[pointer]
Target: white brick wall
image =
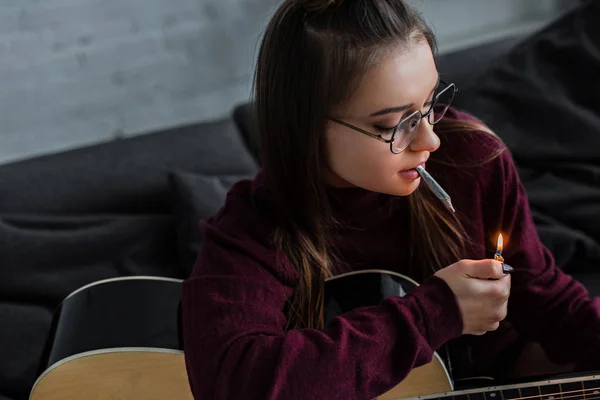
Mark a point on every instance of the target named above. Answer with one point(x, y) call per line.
point(76, 72)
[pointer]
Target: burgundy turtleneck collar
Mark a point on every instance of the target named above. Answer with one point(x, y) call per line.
point(351, 206)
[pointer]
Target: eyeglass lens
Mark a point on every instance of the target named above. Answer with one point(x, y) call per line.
point(441, 106)
point(408, 129)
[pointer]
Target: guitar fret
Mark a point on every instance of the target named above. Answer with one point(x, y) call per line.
point(592, 389)
point(509, 394)
point(551, 392)
point(532, 392)
point(493, 395)
point(572, 391)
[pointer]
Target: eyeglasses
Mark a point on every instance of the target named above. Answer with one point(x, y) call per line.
point(400, 136)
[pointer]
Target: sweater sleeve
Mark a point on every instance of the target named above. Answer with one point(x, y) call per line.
point(236, 347)
point(546, 304)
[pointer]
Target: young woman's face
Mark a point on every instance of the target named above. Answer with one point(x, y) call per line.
point(404, 81)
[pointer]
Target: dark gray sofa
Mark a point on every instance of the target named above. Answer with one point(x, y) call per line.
point(131, 207)
point(98, 212)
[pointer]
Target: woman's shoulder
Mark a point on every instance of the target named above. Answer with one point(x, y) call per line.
point(466, 140)
point(471, 158)
point(245, 211)
point(238, 238)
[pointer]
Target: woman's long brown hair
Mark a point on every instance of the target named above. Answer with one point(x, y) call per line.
point(313, 55)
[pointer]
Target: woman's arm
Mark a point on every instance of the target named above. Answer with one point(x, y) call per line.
point(236, 347)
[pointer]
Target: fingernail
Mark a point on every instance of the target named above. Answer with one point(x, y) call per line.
point(507, 269)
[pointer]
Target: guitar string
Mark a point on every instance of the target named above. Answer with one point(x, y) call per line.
point(571, 393)
point(559, 395)
point(559, 398)
point(565, 397)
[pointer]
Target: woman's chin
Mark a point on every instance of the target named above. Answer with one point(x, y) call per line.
point(397, 186)
point(403, 187)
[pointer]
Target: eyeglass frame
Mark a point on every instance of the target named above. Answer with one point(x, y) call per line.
point(451, 86)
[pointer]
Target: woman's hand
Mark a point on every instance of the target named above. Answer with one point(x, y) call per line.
point(482, 290)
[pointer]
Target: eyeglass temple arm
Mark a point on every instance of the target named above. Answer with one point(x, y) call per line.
point(361, 130)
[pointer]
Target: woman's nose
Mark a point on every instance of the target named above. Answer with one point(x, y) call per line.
point(425, 139)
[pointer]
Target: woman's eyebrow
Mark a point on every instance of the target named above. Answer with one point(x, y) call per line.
point(401, 108)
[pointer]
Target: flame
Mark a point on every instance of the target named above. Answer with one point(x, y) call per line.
point(500, 244)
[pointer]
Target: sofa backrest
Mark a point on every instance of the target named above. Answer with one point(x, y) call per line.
point(124, 176)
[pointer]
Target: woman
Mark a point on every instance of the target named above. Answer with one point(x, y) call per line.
point(347, 96)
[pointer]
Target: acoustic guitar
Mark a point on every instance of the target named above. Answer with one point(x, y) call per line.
point(121, 339)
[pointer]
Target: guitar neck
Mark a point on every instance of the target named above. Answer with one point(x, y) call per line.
point(576, 388)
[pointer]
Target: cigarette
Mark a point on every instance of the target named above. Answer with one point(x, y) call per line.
point(435, 188)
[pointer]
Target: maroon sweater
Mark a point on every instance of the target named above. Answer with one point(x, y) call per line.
point(233, 319)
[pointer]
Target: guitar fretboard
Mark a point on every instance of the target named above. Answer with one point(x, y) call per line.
point(580, 388)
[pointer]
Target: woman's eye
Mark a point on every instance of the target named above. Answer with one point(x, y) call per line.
point(385, 133)
point(384, 129)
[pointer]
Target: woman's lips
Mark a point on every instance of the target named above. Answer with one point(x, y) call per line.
point(410, 174)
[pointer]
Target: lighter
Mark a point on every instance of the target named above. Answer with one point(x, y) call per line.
point(507, 269)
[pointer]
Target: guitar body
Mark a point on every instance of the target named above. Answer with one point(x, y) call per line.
point(346, 292)
point(116, 339)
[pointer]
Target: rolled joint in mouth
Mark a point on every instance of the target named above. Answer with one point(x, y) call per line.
point(435, 187)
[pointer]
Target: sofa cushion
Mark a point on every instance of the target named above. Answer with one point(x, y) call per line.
point(24, 332)
point(196, 197)
point(591, 281)
point(122, 176)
